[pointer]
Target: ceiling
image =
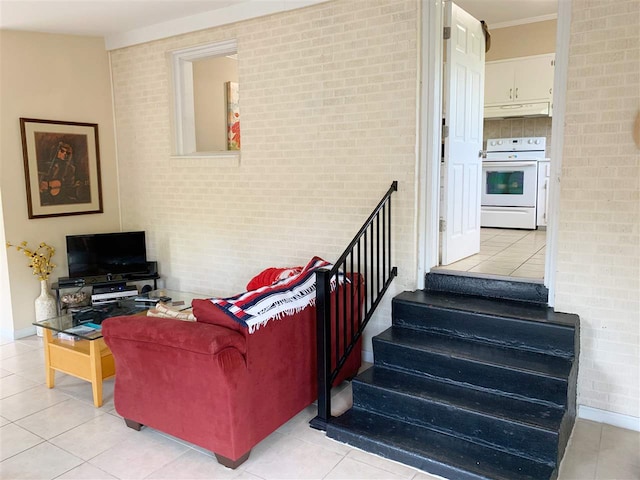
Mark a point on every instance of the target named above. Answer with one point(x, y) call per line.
point(109, 18)
point(502, 13)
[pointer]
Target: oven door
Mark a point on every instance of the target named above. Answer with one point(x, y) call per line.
point(509, 184)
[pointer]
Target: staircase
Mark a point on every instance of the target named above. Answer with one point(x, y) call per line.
point(468, 387)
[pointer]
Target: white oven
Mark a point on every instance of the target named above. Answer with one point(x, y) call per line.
point(510, 182)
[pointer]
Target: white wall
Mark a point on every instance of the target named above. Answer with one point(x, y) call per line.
point(52, 77)
point(598, 267)
point(328, 102)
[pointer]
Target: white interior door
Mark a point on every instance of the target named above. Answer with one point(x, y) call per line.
point(464, 102)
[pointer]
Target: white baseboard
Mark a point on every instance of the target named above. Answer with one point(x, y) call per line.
point(17, 334)
point(367, 356)
point(610, 418)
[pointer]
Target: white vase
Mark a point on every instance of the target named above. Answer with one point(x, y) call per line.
point(45, 305)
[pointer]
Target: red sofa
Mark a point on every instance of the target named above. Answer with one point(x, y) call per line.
point(212, 383)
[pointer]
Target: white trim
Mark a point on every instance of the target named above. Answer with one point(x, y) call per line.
point(213, 18)
point(523, 21)
point(184, 131)
point(610, 418)
point(367, 356)
point(115, 138)
point(431, 114)
point(227, 159)
point(419, 176)
point(557, 144)
point(17, 334)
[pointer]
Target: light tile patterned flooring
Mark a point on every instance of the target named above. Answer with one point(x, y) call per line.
point(506, 252)
point(58, 434)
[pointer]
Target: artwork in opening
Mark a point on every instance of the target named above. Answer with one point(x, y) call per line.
point(61, 167)
point(233, 117)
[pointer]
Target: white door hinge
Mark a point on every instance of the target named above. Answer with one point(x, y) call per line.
point(443, 225)
point(446, 34)
point(445, 131)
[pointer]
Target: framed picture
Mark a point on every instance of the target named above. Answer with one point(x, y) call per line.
point(233, 116)
point(61, 167)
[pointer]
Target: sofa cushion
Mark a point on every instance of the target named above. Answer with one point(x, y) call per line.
point(271, 275)
point(207, 312)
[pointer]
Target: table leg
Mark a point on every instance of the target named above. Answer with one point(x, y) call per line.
point(96, 372)
point(49, 372)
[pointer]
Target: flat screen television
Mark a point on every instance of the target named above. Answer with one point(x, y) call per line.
point(98, 254)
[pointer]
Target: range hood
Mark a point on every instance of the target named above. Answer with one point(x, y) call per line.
point(540, 109)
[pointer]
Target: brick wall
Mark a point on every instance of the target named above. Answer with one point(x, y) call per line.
point(328, 109)
point(599, 240)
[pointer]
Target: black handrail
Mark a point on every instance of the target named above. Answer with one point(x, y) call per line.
point(366, 269)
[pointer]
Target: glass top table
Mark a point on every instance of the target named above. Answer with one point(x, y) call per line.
point(85, 323)
point(84, 353)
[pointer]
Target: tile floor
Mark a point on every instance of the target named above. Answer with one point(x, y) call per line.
point(57, 433)
point(505, 252)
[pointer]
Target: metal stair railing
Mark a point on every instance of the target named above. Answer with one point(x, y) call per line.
point(368, 257)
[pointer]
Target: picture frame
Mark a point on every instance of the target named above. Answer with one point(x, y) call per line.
point(233, 115)
point(61, 167)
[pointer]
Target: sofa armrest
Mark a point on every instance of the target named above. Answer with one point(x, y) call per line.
point(190, 336)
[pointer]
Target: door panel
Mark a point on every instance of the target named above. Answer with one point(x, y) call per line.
point(464, 102)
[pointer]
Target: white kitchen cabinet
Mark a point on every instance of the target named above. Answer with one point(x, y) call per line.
point(519, 80)
point(542, 204)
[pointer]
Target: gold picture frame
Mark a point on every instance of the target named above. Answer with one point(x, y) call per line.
point(61, 167)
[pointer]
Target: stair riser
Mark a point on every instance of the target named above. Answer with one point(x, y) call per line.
point(524, 440)
point(535, 336)
point(460, 370)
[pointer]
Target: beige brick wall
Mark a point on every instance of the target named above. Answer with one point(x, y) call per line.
point(599, 239)
point(328, 109)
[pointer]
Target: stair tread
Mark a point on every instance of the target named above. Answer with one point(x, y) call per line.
point(531, 362)
point(489, 306)
point(437, 452)
point(488, 404)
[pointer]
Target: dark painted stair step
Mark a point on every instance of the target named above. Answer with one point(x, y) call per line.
point(487, 286)
point(532, 375)
point(431, 451)
point(503, 322)
point(520, 427)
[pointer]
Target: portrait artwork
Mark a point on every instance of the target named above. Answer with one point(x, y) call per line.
point(61, 167)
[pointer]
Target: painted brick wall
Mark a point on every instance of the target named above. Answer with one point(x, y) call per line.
point(328, 109)
point(599, 238)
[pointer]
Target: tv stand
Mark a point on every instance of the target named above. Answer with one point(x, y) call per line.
point(101, 281)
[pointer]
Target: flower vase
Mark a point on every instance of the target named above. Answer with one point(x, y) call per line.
point(45, 305)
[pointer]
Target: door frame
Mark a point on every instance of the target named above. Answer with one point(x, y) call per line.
point(430, 127)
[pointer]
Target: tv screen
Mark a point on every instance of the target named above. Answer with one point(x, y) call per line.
point(106, 253)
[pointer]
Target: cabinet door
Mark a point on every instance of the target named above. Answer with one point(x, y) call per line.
point(534, 79)
point(498, 85)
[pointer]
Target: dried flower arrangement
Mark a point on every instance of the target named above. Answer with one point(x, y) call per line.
point(39, 259)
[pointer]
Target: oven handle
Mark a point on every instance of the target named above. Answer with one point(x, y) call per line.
point(509, 164)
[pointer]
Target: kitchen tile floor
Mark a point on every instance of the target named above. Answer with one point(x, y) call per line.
point(58, 434)
point(505, 252)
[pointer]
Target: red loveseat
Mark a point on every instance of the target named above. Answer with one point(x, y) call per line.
point(212, 383)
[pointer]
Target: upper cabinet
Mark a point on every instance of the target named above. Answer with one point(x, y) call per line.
point(519, 86)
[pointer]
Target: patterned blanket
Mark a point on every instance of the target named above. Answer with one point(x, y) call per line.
point(290, 295)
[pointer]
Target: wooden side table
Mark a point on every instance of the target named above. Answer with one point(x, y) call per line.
point(90, 360)
point(87, 356)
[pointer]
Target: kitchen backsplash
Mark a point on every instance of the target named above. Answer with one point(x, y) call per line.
point(518, 127)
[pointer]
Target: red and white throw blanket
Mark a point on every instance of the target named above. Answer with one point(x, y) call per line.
point(290, 295)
